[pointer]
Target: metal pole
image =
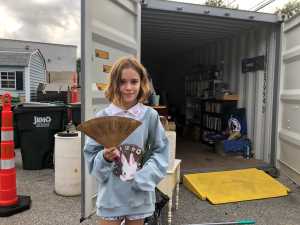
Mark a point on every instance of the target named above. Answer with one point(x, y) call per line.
point(226, 223)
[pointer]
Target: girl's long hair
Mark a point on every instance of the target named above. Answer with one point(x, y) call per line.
point(113, 93)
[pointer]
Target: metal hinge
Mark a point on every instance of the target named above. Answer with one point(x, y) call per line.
point(143, 3)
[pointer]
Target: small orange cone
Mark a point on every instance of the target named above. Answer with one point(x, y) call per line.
point(74, 89)
point(10, 203)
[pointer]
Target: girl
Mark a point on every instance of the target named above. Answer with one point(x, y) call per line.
point(127, 174)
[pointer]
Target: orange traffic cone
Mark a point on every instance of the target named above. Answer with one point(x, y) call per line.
point(74, 95)
point(74, 89)
point(10, 203)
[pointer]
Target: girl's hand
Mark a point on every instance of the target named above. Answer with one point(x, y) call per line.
point(111, 154)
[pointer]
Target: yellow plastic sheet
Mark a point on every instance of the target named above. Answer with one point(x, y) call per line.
point(234, 186)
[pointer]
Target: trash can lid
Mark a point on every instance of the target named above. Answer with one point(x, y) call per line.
point(74, 105)
point(29, 107)
point(67, 134)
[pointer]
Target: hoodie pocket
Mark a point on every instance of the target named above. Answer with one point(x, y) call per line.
point(139, 198)
point(107, 197)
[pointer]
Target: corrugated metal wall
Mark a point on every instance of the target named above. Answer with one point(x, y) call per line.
point(289, 110)
point(254, 88)
point(118, 34)
point(37, 74)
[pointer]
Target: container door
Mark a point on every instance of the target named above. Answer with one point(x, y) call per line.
point(109, 30)
point(288, 142)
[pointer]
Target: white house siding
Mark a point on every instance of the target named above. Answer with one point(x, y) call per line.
point(58, 57)
point(37, 74)
point(14, 93)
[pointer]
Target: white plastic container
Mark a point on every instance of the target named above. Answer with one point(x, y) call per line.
point(67, 164)
point(171, 135)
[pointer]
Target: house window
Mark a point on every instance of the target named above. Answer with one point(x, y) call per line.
point(8, 80)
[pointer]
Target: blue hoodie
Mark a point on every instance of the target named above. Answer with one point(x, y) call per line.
point(127, 186)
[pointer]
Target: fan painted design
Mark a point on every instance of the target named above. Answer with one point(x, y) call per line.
point(110, 131)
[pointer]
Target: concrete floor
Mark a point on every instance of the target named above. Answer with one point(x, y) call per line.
point(198, 157)
point(275, 211)
point(49, 208)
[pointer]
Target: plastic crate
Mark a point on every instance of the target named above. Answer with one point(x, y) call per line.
point(235, 145)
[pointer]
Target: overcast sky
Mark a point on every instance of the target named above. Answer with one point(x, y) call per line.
point(54, 21)
point(58, 21)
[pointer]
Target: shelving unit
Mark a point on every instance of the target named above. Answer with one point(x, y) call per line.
point(193, 110)
point(203, 111)
point(214, 117)
point(200, 84)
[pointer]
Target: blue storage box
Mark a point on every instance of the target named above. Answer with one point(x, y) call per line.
point(235, 145)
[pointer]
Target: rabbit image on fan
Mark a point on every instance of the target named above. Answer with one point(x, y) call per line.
point(128, 168)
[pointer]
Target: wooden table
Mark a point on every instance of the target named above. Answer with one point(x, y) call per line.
point(169, 184)
point(162, 110)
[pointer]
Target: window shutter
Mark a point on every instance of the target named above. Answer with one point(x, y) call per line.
point(19, 80)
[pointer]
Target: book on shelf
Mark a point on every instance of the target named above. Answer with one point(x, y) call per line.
point(229, 97)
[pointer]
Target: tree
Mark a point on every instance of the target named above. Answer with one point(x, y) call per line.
point(220, 3)
point(290, 9)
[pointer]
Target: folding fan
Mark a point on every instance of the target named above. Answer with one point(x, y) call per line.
point(110, 131)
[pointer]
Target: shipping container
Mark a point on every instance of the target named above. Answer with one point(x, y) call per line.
point(258, 54)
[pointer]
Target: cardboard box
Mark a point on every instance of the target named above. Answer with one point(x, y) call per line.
point(229, 97)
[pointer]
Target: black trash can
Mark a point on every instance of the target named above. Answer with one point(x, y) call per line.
point(75, 113)
point(37, 125)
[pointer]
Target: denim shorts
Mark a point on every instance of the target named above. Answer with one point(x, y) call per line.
point(131, 217)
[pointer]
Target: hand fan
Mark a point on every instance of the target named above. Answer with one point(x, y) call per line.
point(110, 131)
